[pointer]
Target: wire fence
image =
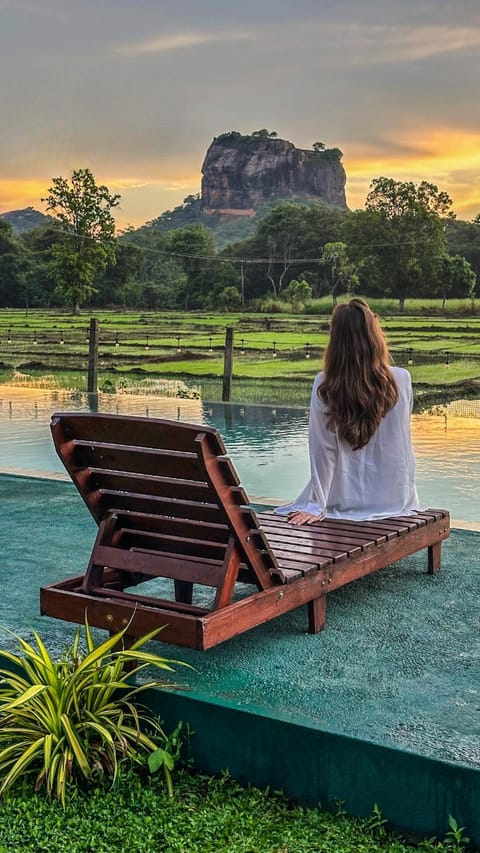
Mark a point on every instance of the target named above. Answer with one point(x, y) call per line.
point(269, 344)
point(464, 408)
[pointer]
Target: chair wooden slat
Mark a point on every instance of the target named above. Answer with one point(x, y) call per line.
point(165, 603)
point(156, 565)
point(153, 505)
point(135, 539)
point(158, 463)
point(171, 525)
point(131, 430)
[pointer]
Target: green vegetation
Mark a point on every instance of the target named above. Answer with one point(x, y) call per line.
point(399, 238)
point(74, 721)
point(82, 213)
point(404, 243)
point(207, 815)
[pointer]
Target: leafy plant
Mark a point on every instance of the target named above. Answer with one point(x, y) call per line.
point(166, 756)
point(76, 719)
point(455, 840)
point(376, 822)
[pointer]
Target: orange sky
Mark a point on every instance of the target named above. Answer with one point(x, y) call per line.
point(136, 92)
point(449, 159)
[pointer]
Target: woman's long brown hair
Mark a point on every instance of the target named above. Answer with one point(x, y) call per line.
point(358, 387)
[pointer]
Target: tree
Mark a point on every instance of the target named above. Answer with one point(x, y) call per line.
point(263, 133)
point(113, 284)
point(83, 212)
point(398, 237)
point(404, 198)
point(278, 238)
point(289, 231)
point(193, 248)
point(455, 277)
point(40, 278)
point(298, 292)
point(229, 299)
point(338, 270)
point(463, 238)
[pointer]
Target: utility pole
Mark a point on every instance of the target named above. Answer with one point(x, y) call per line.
point(227, 365)
point(93, 357)
point(242, 285)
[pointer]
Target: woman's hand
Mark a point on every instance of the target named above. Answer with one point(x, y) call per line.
point(304, 517)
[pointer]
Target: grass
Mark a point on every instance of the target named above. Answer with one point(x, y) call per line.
point(207, 815)
point(191, 347)
point(386, 306)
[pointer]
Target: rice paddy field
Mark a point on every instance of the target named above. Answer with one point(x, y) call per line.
point(275, 357)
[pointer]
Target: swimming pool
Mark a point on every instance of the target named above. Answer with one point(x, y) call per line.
point(267, 444)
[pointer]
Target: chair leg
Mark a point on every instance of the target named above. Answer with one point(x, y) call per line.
point(434, 558)
point(317, 614)
point(183, 591)
point(231, 566)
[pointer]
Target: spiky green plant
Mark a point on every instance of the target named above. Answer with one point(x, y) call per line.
point(76, 720)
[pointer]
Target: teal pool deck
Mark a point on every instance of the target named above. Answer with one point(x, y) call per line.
point(382, 707)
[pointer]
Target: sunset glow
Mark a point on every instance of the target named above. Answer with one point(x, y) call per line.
point(142, 91)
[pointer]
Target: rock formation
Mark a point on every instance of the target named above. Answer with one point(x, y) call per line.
point(241, 173)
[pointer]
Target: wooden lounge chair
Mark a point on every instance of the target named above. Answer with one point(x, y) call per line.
point(171, 514)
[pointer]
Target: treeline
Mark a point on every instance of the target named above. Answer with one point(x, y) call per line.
point(406, 242)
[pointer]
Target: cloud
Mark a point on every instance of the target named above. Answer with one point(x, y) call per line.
point(180, 41)
point(136, 91)
point(344, 44)
point(128, 183)
point(404, 44)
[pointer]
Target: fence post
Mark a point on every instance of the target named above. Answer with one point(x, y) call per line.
point(93, 357)
point(227, 365)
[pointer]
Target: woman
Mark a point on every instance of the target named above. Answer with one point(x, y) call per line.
point(361, 457)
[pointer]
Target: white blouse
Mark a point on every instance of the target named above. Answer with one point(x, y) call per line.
point(376, 481)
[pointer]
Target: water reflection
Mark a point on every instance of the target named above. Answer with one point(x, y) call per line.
point(267, 443)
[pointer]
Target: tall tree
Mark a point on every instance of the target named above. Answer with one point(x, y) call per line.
point(399, 236)
point(83, 211)
point(286, 238)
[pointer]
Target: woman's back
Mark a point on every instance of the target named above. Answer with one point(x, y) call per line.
point(378, 479)
point(361, 457)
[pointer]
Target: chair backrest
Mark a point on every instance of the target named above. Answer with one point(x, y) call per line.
point(170, 484)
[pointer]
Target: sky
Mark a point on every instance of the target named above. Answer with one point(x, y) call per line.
point(135, 90)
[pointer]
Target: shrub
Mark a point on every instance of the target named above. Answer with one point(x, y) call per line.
point(75, 719)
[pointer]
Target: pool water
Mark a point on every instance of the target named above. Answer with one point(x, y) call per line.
point(267, 444)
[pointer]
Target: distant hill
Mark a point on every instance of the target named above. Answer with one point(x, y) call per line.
point(26, 219)
point(225, 229)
